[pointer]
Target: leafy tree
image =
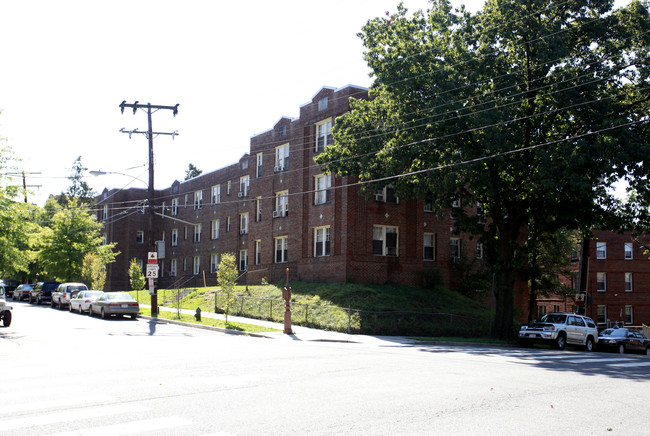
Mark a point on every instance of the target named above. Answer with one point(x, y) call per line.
point(530, 109)
point(93, 271)
point(192, 172)
point(136, 277)
point(74, 233)
point(226, 277)
point(79, 188)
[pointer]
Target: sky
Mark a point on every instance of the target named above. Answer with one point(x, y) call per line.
point(234, 68)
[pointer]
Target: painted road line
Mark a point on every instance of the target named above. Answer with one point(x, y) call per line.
point(126, 428)
point(631, 364)
point(599, 360)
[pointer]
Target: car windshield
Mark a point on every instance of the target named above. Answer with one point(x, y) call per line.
point(617, 333)
point(118, 296)
point(554, 318)
point(93, 294)
point(77, 288)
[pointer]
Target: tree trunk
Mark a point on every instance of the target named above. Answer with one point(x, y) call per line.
point(504, 295)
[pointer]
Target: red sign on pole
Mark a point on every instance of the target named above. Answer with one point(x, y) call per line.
point(152, 257)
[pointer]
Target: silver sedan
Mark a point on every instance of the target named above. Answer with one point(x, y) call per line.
point(114, 303)
point(81, 301)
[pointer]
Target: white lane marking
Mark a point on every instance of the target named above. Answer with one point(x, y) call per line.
point(631, 364)
point(127, 428)
point(69, 415)
point(604, 359)
point(54, 403)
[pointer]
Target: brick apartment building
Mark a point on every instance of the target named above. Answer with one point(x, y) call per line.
point(274, 210)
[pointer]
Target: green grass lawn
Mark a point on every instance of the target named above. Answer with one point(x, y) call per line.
point(243, 327)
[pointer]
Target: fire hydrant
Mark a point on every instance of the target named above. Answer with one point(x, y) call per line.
point(197, 315)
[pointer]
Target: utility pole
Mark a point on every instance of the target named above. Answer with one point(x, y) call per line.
point(25, 185)
point(149, 133)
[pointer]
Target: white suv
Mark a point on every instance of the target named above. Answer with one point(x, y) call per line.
point(560, 330)
point(62, 295)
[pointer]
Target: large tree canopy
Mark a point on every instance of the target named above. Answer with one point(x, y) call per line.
point(530, 108)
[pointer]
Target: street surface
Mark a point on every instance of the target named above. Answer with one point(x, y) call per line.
point(69, 374)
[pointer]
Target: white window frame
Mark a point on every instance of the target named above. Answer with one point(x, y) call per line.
point(214, 229)
point(196, 265)
point(216, 194)
point(323, 135)
point(244, 185)
point(603, 308)
point(322, 188)
point(198, 200)
point(629, 251)
point(260, 163)
point(173, 267)
point(381, 234)
point(197, 232)
point(629, 285)
point(214, 263)
point(139, 237)
point(281, 158)
point(174, 241)
point(601, 282)
point(429, 244)
point(601, 250)
point(281, 204)
point(479, 250)
point(455, 249)
point(243, 260)
point(243, 223)
point(258, 251)
point(322, 236)
point(258, 209)
point(281, 246)
point(628, 314)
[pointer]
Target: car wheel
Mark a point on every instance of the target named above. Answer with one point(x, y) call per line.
point(134, 316)
point(79, 309)
point(103, 313)
point(90, 311)
point(560, 342)
point(621, 349)
point(38, 301)
point(647, 351)
point(590, 344)
point(6, 319)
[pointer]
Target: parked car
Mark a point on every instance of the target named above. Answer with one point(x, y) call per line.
point(623, 340)
point(5, 311)
point(81, 301)
point(64, 292)
point(42, 292)
point(559, 330)
point(9, 286)
point(115, 303)
point(22, 292)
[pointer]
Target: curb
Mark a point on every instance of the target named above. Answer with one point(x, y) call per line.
point(204, 327)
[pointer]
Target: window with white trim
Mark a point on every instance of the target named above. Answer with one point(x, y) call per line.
point(258, 252)
point(105, 211)
point(629, 251)
point(260, 162)
point(214, 263)
point(629, 314)
point(216, 194)
point(281, 158)
point(141, 206)
point(429, 246)
point(214, 229)
point(197, 232)
point(228, 224)
point(196, 266)
point(281, 204)
point(455, 247)
point(323, 135)
point(173, 265)
point(258, 209)
point(281, 249)
point(601, 281)
point(174, 241)
point(385, 240)
point(601, 314)
point(198, 200)
point(601, 250)
point(244, 185)
point(386, 194)
point(628, 282)
point(229, 186)
point(479, 250)
point(243, 260)
point(139, 237)
point(243, 223)
point(322, 188)
point(322, 241)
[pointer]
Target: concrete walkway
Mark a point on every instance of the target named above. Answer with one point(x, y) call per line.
point(300, 333)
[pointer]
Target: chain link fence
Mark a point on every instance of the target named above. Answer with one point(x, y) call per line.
point(356, 321)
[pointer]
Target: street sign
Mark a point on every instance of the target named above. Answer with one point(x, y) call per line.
point(152, 257)
point(152, 271)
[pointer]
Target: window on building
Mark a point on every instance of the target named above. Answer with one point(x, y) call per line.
point(323, 135)
point(185, 233)
point(323, 103)
point(197, 233)
point(281, 158)
point(244, 185)
point(628, 282)
point(196, 267)
point(556, 308)
point(281, 204)
point(386, 194)
point(139, 237)
point(323, 188)
point(228, 187)
point(428, 206)
point(244, 164)
point(260, 162)
point(184, 264)
point(258, 252)
point(198, 200)
point(601, 250)
point(228, 224)
point(601, 281)
point(601, 314)
point(185, 201)
point(175, 207)
point(429, 246)
point(455, 247)
point(258, 209)
point(214, 263)
point(281, 249)
point(629, 251)
point(243, 223)
point(282, 131)
point(479, 250)
point(174, 240)
point(173, 265)
point(214, 229)
point(629, 314)
point(243, 260)
point(384, 241)
point(216, 194)
point(541, 310)
point(140, 207)
point(105, 211)
point(321, 241)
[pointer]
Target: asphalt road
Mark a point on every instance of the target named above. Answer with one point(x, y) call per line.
point(68, 374)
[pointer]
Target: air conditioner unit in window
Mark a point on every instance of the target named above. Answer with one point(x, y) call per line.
point(242, 232)
point(276, 213)
point(172, 273)
point(277, 168)
point(379, 197)
point(240, 194)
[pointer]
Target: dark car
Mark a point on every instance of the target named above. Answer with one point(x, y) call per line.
point(623, 340)
point(42, 292)
point(9, 286)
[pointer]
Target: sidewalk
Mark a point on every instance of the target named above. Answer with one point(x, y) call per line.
point(300, 333)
